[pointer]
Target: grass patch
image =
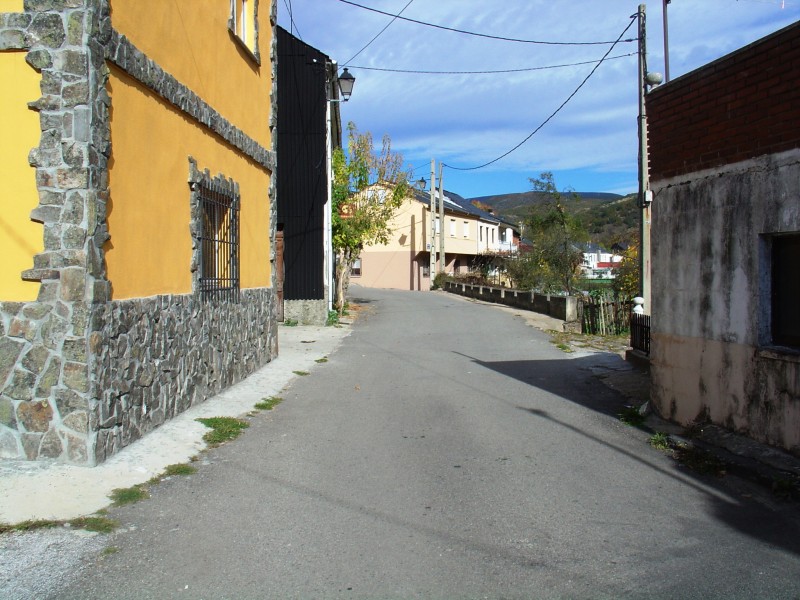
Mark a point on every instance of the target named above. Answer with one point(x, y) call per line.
point(110, 550)
point(321, 360)
point(223, 429)
point(29, 525)
point(630, 415)
point(660, 441)
point(290, 323)
point(97, 524)
point(123, 496)
point(300, 373)
point(268, 403)
point(333, 318)
point(179, 469)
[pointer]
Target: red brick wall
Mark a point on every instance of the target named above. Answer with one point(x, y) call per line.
point(743, 105)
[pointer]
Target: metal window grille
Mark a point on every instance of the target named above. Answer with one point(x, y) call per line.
point(219, 242)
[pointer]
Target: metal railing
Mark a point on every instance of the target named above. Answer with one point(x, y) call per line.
point(640, 333)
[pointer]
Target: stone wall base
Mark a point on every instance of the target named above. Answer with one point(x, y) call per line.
point(306, 312)
point(155, 357)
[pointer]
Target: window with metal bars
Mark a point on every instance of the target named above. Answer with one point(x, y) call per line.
point(216, 229)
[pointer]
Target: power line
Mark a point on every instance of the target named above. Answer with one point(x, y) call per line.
point(483, 35)
point(379, 33)
point(292, 24)
point(547, 120)
point(420, 72)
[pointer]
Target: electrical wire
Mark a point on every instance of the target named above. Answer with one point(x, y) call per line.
point(483, 35)
point(417, 72)
point(292, 24)
point(548, 119)
point(379, 33)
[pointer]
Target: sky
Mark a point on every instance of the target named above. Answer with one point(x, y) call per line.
point(467, 120)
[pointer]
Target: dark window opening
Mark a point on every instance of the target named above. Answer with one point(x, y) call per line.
point(219, 242)
point(785, 290)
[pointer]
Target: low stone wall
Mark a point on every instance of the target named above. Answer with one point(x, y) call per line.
point(306, 312)
point(564, 308)
point(152, 358)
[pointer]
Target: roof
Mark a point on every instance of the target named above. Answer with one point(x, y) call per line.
point(458, 204)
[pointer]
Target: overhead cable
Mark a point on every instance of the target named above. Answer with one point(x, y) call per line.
point(420, 72)
point(378, 34)
point(483, 35)
point(548, 119)
point(292, 24)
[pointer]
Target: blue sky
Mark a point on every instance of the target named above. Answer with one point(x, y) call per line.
point(466, 120)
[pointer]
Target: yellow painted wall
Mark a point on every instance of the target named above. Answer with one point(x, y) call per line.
point(150, 249)
point(190, 40)
point(11, 6)
point(20, 238)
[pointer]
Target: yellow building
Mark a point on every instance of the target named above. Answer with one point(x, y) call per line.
point(404, 262)
point(138, 166)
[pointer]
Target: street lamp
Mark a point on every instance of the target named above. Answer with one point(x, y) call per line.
point(346, 83)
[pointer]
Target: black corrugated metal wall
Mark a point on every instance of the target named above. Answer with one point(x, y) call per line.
point(302, 166)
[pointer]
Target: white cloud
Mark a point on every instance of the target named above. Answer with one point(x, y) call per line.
point(470, 119)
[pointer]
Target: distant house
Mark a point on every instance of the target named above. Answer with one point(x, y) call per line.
point(404, 263)
point(599, 263)
point(724, 151)
point(138, 216)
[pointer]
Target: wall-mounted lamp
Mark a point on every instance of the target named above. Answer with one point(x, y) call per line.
point(346, 83)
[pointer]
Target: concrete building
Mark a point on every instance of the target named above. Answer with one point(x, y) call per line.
point(138, 215)
point(725, 172)
point(404, 263)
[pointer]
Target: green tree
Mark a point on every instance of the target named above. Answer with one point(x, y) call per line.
point(626, 275)
point(557, 234)
point(368, 188)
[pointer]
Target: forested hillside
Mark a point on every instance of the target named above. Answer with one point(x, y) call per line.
point(608, 218)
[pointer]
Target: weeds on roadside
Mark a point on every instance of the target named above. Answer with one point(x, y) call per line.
point(333, 318)
point(631, 415)
point(300, 373)
point(123, 496)
point(97, 524)
point(223, 429)
point(268, 403)
point(660, 441)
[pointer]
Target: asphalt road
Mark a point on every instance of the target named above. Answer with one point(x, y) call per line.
point(447, 450)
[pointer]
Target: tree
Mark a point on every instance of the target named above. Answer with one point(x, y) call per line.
point(626, 275)
point(557, 234)
point(368, 187)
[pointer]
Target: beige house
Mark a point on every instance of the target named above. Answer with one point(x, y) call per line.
point(404, 263)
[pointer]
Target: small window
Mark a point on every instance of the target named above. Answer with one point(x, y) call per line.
point(215, 226)
point(466, 228)
point(480, 233)
point(452, 228)
point(785, 290)
point(243, 24)
point(438, 225)
point(355, 270)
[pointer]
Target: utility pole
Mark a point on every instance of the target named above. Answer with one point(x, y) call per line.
point(666, 43)
point(432, 242)
point(645, 196)
point(442, 261)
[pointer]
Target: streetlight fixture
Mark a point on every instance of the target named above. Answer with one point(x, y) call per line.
point(346, 83)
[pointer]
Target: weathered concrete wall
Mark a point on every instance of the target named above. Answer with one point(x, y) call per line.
point(710, 355)
point(306, 312)
point(564, 308)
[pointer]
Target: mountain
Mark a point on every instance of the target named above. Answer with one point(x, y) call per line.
point(607, 217)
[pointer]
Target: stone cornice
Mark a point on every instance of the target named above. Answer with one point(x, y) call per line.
point(122, 53)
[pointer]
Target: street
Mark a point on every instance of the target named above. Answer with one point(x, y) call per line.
point(447, 450)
